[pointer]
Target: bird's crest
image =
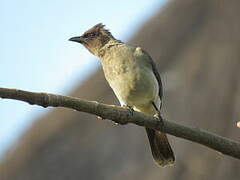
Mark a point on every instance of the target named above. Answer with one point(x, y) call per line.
point(98, 29)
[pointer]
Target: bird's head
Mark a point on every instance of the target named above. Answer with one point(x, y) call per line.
point(94, 38)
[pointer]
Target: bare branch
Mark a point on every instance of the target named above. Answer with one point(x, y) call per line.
point(123, 116)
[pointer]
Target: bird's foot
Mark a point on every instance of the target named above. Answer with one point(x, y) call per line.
point(157, 114)
point(130, 109)
point(159, 117)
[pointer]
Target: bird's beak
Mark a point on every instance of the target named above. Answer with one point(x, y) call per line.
point(78, 39)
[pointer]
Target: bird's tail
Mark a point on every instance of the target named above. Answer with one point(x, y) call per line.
point(160, 147)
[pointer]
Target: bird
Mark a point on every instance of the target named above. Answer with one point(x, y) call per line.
point(133, 76)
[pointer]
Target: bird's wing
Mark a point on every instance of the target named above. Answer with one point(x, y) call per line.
point(155, 71)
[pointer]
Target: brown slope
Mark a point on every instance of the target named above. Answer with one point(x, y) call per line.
point(196, 44)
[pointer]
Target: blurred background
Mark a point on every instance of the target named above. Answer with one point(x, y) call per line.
point(196, 45)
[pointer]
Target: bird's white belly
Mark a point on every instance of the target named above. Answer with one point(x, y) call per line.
point(135, 89)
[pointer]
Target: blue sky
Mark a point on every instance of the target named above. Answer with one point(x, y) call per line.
point(35, 53)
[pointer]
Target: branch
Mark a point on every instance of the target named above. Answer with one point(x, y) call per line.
point(124, 116)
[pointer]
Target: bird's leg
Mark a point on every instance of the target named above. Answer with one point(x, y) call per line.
point(157, 115)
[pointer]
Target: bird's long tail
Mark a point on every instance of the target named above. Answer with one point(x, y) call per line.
point(160, 147)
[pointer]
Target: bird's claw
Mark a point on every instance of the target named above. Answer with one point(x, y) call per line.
point(158, 116)
point(130, 109)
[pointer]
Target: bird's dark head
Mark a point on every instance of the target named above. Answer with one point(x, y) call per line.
point(94, 38)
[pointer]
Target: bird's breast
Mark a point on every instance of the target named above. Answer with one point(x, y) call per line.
point(131, 83)
point(121, 74)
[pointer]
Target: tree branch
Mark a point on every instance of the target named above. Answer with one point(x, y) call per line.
point(123, 116)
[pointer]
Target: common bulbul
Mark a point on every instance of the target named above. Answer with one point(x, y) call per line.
point(133, 76)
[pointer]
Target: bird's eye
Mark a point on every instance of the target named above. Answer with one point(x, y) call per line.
point(90, 35)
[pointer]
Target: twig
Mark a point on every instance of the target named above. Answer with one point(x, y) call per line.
point(123, 116)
